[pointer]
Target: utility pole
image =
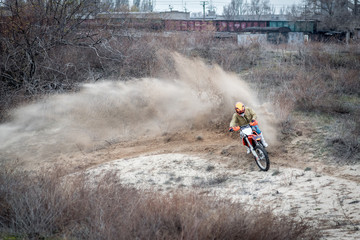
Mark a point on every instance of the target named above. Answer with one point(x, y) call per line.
point(204, 3)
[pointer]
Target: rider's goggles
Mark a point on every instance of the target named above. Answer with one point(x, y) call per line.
point(240, 111)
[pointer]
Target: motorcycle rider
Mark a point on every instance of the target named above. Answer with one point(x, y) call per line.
point(242, 116)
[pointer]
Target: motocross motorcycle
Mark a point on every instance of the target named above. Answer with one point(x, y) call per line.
point(252, 140)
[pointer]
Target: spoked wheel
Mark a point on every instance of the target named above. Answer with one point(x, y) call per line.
point(262, 158)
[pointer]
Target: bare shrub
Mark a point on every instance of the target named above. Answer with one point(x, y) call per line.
point(310, 79)
point(30, 206)
point(348, 81)
point(345, 141)
point(283, 109)
point(188, 217)
point(230, 56)
point(32, 35)
point(316, 79)
point(48, 205)
point(308, 91)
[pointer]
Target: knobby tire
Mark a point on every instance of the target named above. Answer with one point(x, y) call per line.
point(263, 162)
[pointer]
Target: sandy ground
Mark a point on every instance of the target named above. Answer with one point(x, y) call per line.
point(298, 183)
point(166, 147)
point(301, 182)
point(330, 203)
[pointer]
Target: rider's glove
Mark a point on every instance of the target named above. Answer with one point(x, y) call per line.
point(234, 129)
point(253, 122)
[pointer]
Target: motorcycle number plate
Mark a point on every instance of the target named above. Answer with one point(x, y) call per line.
point(247, 131)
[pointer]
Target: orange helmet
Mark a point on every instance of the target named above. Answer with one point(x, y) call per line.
point(240, 108)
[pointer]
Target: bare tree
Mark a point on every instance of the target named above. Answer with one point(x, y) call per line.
point(106, 5)
point(147, 6)
point(122, 5)
point(34, 33)
point(333, 14)
point(295, 11)
point(137, 4)
point(235, 8)
point(241, 7)
point(259, 7)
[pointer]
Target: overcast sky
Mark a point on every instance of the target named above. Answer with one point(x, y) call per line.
point(195, 6)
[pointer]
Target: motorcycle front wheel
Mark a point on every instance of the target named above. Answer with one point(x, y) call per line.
point(262, 159)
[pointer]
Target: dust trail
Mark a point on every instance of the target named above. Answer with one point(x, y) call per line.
point(118, 110)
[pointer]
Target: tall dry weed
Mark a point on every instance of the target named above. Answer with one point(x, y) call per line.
point(49, 206)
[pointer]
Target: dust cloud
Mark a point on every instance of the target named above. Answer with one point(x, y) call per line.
point(110, 111)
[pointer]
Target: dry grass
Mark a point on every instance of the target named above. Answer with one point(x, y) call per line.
point(44, 206)
point(318, 79)
point(314, 78)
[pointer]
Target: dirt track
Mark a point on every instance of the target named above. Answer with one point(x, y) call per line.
point(81, 132)
point(214, 162)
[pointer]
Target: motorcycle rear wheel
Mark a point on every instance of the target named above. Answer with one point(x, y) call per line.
point(262, 161)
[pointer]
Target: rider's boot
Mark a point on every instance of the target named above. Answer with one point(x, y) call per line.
point(247, 150)
point(263, 141)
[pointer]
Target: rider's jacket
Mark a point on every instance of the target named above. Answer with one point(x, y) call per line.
point(238, 120)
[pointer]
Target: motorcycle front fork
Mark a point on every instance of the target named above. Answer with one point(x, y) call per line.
point(251, 147)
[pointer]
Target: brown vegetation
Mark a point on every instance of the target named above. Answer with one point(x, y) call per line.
point(321, 81)
point(316, 78)
point(311, 79)
point(47, 205)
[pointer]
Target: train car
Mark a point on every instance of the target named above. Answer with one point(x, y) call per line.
point(162, 22)
point(197, 26)
point(237, 26)
point(182, 22)
point(214, 25)
point(189, 25)
point(278, 24)
point(173, 25)
point(276, 35)
point(308, 26)
point(247, 24)
point(149, 24)
point(208, 26)
point(184, 25)
point(222, 26)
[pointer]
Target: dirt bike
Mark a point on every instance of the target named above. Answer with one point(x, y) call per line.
point(252, 140)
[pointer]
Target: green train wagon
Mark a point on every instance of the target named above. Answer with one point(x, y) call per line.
point(306, 26)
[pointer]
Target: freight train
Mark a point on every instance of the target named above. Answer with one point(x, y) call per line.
point(157, 22)
point(237, 25)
